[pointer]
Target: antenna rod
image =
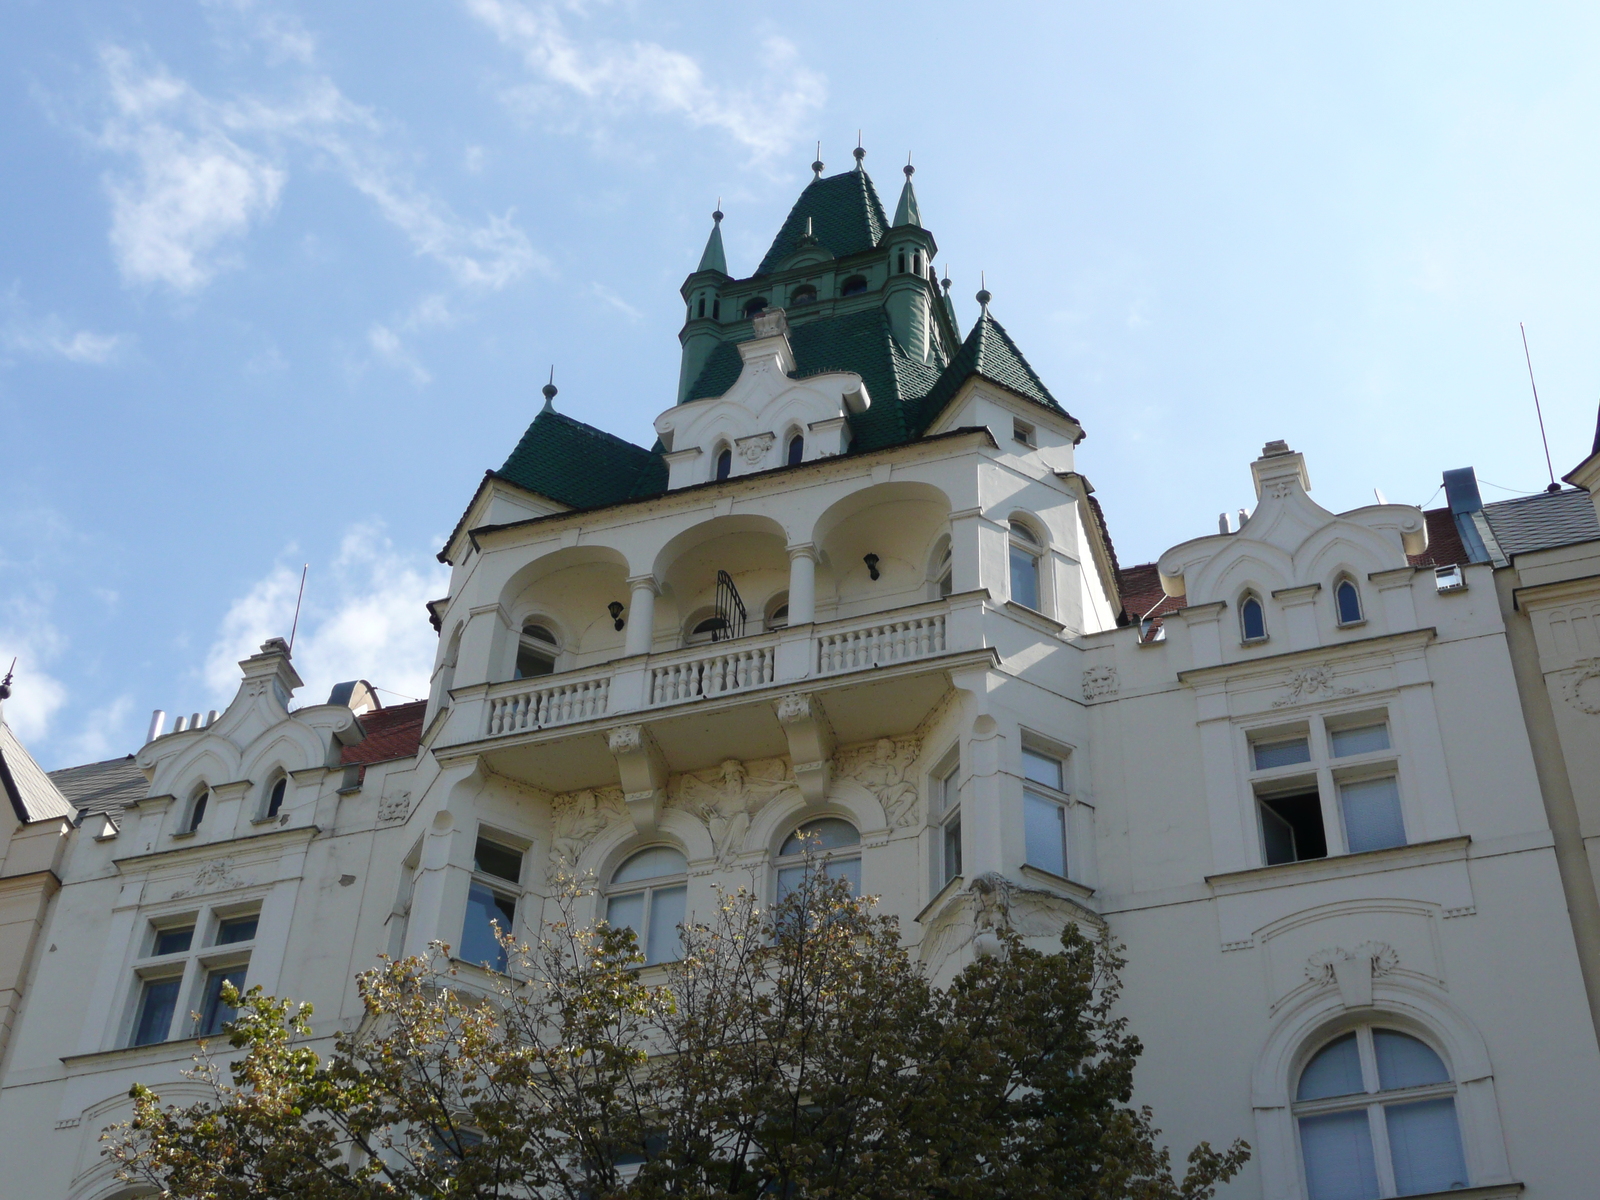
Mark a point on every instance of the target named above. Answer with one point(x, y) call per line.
point(293, 629)
point(1554, 486)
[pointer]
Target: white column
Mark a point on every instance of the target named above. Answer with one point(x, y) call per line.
point(641, 615)
point(802, 584)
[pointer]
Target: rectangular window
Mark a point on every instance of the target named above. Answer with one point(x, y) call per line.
point(1362, 739)
point(1371, 811)
point(487, 908)
point(237, 929)
point(1044, 812)
point(158, 1000)
point(949, 797)
point(214, 1013)
point(491, 858)
point(1041, 768)
point(1022, 432)
point(1025, 578)
point(173, 940)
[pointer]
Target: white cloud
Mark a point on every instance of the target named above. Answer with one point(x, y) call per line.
point(649, 76)
point(27, 635)
point(205, 171)
point(104, 734)
point(51, 337)
point(386, 344)
point(363, 618)
point(607, 296)
point(281, 33)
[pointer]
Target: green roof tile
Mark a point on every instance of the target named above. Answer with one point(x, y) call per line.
point(989, 352)
point(846, 217)
point(581, 466)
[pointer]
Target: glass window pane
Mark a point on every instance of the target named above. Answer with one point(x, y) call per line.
point(949, 792)
point(494, 859)
point(947, 584)
point(667, 909)
point(1023, 534)
point(1338, 1156)
point(790, 879)
point(1254, 619)
point(1024, 578)
point(1425, 1143)
point(1372, 814)
point(1404, 1062)
point(952, 850)
point(236, 929)
point(627, 912)
point(1362, 740)
point(173, 941)
point(1281, 754)
point(156, 1005)
point(1041, 768)
point(1334, 1071)
point(654, 863)
point(848, 869)
point(1045, 825)
point(827, 834)
point(478, 943)
point(213, 1012)
point(1349, 603)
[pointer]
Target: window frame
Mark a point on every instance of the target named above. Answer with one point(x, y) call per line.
point(1326, 771)
point(1060, 798)
point(790, 458)
point(782, 862)
point(1341, 582)
point(944, 782)
point(554, 649)
point(721, 457)
point(277, 795)
point(1024, 434)
point(1374, 1100)
point(1246, 598)
point(499, 886)
point(1036, 548)
point(191, 966)
point(648, 888)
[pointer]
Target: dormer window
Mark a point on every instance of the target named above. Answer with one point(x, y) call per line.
point(724, 462)
point(1252, 619)
point(1023, 433)
point(796, 452)
point(536, 652)
point(756, 307)
point(804, 294)
point(1347, 600)
point(853, 286)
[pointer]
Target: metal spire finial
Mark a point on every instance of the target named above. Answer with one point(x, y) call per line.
point(858, 152)
point(5, 684)
point(908, 168)
point(983, 293)
point(549, 389)
point(817, 165)
point(715, 216)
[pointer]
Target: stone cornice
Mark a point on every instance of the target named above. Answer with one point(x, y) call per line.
point(1411, 639)
point(261, 843)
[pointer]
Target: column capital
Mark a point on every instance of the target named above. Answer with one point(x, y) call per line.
point(635, 582)
point(803, 550)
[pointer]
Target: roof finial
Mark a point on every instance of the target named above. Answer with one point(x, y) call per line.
point(549, 389)
point(946, 280)
point(5, 684)
point(858, 152)
point(983, 293)
point(817, 165)
point(717, 215)
point(908, 168)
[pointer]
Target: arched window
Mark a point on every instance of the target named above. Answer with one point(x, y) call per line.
point(1377, 1115)
point(649, 895)
point(276, 797)
point(777, 612)
point(705, 630)
point(197, 809)
point(853, 286)
point(835, 840)
point(755, 307)
point(724, 462)
point(900, 262)
point(1347, 602)
point(702, 306)
point(804, 294)
point(796, 451)
point(1026, 551)
point(944, 572)
point(536, 651)
point(1252, 619)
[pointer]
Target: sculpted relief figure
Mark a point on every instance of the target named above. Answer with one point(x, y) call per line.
point(727, 800)
point(884, 771)
point(579, 817)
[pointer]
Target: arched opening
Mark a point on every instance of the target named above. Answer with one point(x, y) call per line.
point(795, 452)
point(755, 307)
point(1347, 602)
point(649, 895)
point(1252, 618)
point(853, 286)
point(916, 264)
point(777, 613)
point(832, 839)
point(1376, 1114)
point(702, 311)
point(804, 294)
point(537, 650)
point(275, 798)
point(900, 263)
point(716, 310)
point(1027, 549)
point(724, 462)
point(197, 808)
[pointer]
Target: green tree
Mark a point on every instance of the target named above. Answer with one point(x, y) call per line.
point(792, 1052)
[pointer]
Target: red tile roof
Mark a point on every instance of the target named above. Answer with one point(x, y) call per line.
point(1444, 541)
point(393, 732)
point(1142, 595)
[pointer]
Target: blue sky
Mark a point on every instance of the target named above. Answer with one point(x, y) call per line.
point(278, 281)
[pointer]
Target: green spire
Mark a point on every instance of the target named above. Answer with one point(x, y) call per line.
point(905, 212)
point(713, 259)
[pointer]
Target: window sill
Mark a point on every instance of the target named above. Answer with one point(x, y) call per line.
point(1311, 870)
point(1247, 643)
point(1033, 615)
point(1342, 625)
point(184, 835)
point(939, 898)
point(1061, 882)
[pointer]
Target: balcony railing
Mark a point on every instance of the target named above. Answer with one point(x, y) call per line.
point(724, 668)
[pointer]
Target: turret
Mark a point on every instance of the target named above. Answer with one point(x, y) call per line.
point(910, 293)
point(702, 293)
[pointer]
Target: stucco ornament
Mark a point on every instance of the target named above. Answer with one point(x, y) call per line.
point(1583, 693)
point(754, 449)
point(1100, 682)
point(395, 808)
point(727, 800)
point(1314, 683)
point(579, 818)
point(216, 876)
point(1352, 970)
point(884, 769)
point(624, 739)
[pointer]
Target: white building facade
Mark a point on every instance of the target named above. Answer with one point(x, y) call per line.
point(860, 589)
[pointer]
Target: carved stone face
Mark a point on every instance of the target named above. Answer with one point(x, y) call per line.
point(885, 750)
point(733, 772)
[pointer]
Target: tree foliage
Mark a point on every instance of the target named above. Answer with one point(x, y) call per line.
point(792, 1052)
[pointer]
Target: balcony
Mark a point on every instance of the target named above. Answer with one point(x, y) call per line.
point(878, 674)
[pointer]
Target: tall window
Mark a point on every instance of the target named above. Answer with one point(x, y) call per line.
point(1044, 805)
point(724, 462)
point(276, 797)
point(1025, 554)
point(649, 895)
point(491, 902)
point(836, 840)
point(1328, 786)
point(947, 815)
point(186, 961)
point(1377, 1115)
point(1347, 601)
point(1252, 619)
point(536, 651)
point(197, 809)
point(797, 449)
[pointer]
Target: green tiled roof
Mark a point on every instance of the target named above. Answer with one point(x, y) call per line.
point(846, 217)
point(581, 466)
point(990, 352)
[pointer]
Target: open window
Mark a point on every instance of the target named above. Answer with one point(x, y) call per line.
point(275, 797)
point(537, 650)
point(724, 462)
